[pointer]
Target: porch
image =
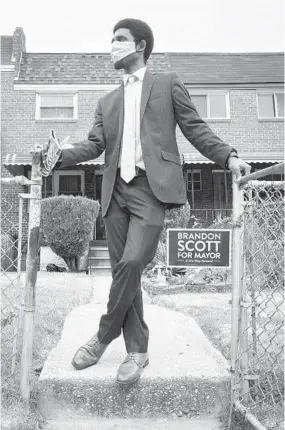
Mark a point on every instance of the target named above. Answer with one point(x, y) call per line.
point(209, 188)
point(209, 192)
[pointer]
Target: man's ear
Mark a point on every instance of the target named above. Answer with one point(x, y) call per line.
point(141, 45)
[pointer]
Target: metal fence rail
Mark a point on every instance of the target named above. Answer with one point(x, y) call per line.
point(206, 218)
point(258, 300)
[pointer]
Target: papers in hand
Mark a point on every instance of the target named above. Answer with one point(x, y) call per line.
point(54, 149)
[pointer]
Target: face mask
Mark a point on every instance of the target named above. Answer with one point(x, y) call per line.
point(121, 50)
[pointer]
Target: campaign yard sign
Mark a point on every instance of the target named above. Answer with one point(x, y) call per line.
point(198, 247)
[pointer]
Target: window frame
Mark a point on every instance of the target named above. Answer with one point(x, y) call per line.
point(208, 93)
point(56, 93)
point(55, 179)
point(275, 107)
point(189, 189)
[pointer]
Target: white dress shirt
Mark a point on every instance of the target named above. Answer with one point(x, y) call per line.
point(132, 94)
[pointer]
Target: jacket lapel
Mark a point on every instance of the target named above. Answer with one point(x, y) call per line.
point(120, 109)
point(146, 89)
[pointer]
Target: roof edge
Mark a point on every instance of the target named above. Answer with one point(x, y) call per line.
point(164, 52)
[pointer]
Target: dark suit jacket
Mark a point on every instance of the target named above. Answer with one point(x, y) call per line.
point(165, 102)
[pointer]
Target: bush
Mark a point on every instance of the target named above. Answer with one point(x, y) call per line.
point(67, 223)
point(176, 218)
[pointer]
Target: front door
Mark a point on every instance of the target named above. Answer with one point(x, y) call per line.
point(222, 189)
point(100, 233)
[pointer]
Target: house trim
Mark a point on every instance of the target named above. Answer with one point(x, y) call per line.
point(42, 88)
point(195, 170)
point(7, 68)
point(38, 108)
point(213, 91)
point(273, 91)
point(111, 87)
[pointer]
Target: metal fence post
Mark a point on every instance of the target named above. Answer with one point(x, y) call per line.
point(251, 289)
point(244, 306)
point(19, 295)
point(31, 277)
point(236, 281)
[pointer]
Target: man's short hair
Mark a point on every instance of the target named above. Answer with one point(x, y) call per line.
point(140, 31)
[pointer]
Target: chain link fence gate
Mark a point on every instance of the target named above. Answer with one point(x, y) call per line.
point(18, 290)
point(12, 249)
point(258, 299)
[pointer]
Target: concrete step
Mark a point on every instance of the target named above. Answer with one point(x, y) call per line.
point(186, 373)
point(100, 270)
point(198, 423)
point(99, 252)
point(99, 261)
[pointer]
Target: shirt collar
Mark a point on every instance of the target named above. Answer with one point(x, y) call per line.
point(138, 73)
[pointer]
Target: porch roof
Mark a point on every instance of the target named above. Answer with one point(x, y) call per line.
point(249, 157)
point(15, 162)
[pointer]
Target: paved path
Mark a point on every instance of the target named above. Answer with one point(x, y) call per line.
point(186, 373)
point(200, 423)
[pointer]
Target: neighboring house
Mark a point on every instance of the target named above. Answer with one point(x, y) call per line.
point(241, 96)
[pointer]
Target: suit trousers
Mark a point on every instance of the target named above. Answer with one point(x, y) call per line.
point(133, 223)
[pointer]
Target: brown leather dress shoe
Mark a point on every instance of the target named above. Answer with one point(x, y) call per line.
point(132, 367)
point(88, 354)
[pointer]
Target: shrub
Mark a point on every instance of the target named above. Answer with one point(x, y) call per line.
point(176, 218)
point(67, 223)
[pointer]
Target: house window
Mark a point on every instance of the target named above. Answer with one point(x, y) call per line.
point(212, 105)
point(69, 183)
point(270, 105)
point(194, 176)
point(56, 106)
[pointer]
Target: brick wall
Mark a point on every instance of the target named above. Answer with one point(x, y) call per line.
point(20, 131)
point(9, 192)
point(244, 130)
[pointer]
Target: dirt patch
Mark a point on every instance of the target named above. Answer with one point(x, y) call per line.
point(56, 295)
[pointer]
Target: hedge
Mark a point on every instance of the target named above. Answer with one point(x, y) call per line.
point(67, 223)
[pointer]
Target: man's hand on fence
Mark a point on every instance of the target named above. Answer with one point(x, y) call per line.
point(239, 167)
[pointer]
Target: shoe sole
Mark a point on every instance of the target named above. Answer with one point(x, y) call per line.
point(133, 380)
point(82, 368)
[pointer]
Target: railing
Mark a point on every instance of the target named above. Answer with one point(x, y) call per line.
point(257, 354)
point(206, 217)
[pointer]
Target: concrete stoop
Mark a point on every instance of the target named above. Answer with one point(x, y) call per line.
point(186, 373)
point(199, 423)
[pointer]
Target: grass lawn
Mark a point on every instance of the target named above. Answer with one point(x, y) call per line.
point(212, 312)
point(56, 295)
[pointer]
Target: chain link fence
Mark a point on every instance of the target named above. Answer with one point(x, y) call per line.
point(13, 248)
point(19, 263)
point(258, 301)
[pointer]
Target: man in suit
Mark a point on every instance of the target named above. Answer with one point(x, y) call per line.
point(135, 126)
